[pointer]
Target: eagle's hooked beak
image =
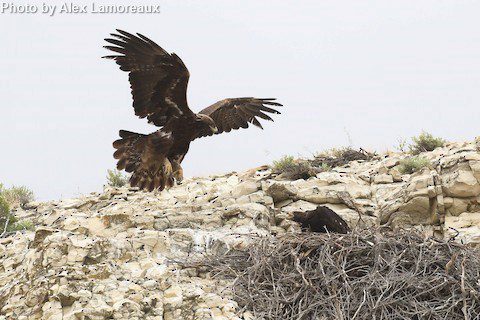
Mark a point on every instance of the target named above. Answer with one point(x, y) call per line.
point(214, 129)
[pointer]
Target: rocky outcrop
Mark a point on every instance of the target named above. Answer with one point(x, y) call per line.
point(127, 254)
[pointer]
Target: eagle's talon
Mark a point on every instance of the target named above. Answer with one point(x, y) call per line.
point(178, 175)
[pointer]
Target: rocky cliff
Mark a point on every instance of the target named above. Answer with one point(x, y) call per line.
point(119, 254)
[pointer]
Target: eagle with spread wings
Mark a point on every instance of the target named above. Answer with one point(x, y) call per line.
point(158, 80)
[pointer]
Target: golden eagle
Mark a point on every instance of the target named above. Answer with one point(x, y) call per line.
point(159, 81)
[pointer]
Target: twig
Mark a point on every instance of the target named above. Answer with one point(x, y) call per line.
point(6, 226)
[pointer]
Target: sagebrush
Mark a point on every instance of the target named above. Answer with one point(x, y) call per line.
point(116, 178)
point(8, 222)
point(412, 164)
point(17, 196)
point(425, 142)
point(337, 157)
point(294, 169)
point(10, 199)
point(4, 207)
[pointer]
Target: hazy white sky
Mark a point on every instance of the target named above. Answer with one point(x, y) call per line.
point(372, 70)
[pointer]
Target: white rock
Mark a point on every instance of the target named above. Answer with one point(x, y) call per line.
point(244, 188)
point(300, 205)
point(475, 166)
point(115, 255)
point(461, 184)
point(382, 179)
point(466, 227)
point(173, 296)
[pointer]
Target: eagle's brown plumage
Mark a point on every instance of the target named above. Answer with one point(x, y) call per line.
point(159, 82)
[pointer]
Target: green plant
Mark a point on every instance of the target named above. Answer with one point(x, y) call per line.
point(325, 167)
point(336, 157)
point(413, 164)
point(402, 145)
point(293, 169)
point(116, 178)
point(283, 164)
point(21, 225)
point(333, 152)
point(17, 196)
point(8, 222)
point(4, 207)
point(425, 142)
point(5, 215)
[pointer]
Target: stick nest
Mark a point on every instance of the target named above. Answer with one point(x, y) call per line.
point(361, 275)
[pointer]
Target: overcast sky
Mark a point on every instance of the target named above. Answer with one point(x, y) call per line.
point(360, 72)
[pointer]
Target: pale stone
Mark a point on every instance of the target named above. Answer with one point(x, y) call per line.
point(475, 166)
point(245, 188)
point(390, 162)
point(96, 226)
point(300, 205)
point(382, 179)
point(458, 206)
point(116, 255)
point(396, 175)
point(461, 184)
point(415, 211)
point(465, 227)
point(173, 296)
point(330, 194)
point(52, 310)
point(448, 201)
point(281, 192)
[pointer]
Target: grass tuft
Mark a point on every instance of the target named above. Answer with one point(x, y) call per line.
point(425, 142)
point(116, 178)
point(413, 164)
point(17, 196)
point(293, 169)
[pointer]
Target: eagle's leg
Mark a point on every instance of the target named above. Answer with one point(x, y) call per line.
point(168, 173)
point(177, 171)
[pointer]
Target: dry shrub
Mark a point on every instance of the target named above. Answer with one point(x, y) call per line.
point(425, 142)
point(8, 222)
point(413, 164)
point(339, 157)
point(292, 169)
point(116, 178)
point(17, 196)
point(360, 275)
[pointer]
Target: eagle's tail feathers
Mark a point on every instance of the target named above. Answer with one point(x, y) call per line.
point(151, 178)
point(145, 157)
point(128, 151)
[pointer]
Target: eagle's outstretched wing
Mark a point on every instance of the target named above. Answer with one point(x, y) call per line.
point(158, 79)
point(235, 113)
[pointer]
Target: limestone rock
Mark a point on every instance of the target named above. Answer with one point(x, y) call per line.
point(383, 178)
point(461, 184)
point(125, 253)
point(466, 226)
point(281, 192)
point(245, 188)
point(475, 166)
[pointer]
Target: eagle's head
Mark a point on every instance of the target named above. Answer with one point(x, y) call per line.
point(207, 122)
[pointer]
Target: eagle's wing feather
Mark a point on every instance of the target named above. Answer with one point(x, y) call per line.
point(235, 113)
point(158, 79)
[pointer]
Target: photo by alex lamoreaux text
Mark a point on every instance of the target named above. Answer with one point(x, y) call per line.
point(52, 9)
